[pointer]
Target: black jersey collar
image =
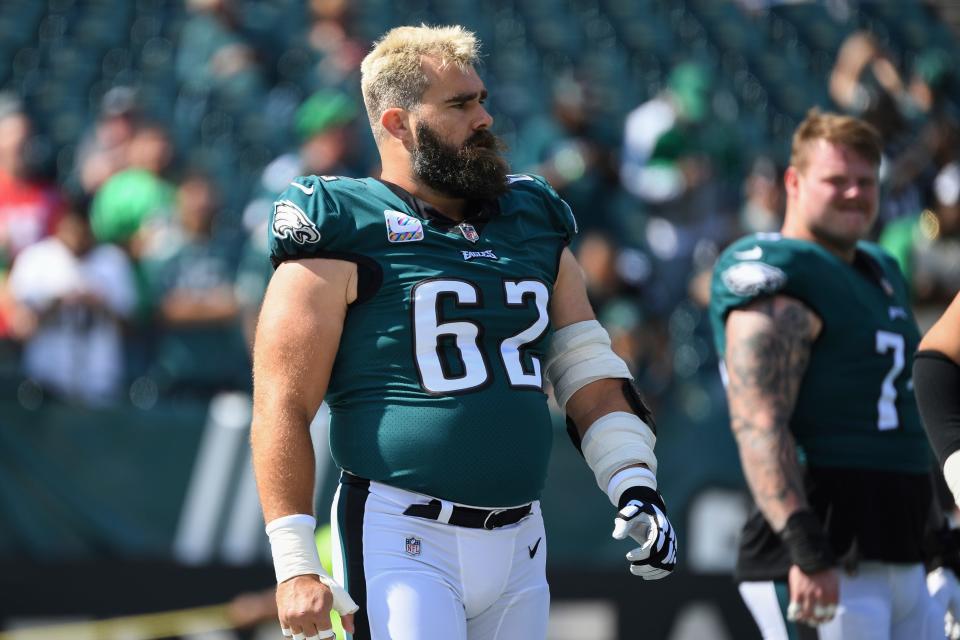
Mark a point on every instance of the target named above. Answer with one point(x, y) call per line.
point(479, 212)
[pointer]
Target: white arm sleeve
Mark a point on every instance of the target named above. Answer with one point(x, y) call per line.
point(579, 354)
point(613, 446)
point(617, 442)
point(951, 473)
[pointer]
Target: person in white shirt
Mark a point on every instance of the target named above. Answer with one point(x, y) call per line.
point(78, 295)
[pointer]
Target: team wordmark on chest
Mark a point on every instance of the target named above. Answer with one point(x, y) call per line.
point(488, 254)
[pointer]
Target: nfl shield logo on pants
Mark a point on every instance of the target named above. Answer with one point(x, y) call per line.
point(413, 546)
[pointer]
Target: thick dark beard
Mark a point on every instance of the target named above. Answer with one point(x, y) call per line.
point(474, 171)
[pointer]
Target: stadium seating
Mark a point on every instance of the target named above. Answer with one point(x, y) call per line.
point(770, 67)
point(62, 55)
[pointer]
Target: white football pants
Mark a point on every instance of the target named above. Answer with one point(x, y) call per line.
point(419, 579)
point(880, 602)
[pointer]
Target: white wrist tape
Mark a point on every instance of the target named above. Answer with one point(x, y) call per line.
point(295, 553)
point(612, 445)
point(630, 477)
point(579, 354)
point(342, 602)
point(294, 547)
point(951, 473)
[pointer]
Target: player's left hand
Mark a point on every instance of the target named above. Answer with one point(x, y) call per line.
point(643, 517)
point(945, 590)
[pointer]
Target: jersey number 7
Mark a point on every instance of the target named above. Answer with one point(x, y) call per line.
point(887, 417)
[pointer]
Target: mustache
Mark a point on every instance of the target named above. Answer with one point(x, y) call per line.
point(859, 205)
point(484, 139)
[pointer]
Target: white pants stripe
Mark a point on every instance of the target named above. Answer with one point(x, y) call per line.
point(761, 599)
point(880, 602)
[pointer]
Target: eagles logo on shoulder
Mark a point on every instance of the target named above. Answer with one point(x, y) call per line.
point(289, 221)
point(752, 278)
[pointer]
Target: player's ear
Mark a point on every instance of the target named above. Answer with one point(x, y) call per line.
point(396, 121)
point(791, 177)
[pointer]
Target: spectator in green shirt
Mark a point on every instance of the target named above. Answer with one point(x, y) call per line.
point(927, 247)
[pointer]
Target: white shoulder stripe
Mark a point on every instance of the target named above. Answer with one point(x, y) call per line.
point(573, 218)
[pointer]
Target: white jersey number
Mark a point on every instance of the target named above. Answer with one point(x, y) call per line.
point(888, 341)
point(430, 330)
point(511, 348)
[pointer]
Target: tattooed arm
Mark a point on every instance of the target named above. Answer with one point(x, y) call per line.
point(768, 347)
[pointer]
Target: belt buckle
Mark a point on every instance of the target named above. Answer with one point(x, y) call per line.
point(492, 513)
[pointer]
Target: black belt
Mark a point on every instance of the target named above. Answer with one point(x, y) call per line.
point(469, 517)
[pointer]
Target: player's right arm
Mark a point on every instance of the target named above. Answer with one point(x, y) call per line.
point(296, 342)
point(936, 377)
point(768, 348)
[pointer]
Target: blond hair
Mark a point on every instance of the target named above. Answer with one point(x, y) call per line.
point(392, 75)
point(838, 129)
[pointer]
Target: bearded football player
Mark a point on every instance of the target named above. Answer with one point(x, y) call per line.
point(429, 307)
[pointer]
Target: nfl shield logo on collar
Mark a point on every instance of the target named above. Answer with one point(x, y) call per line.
point(887, 287)
point(413, 546)
point(469, 232)
point(402, 228)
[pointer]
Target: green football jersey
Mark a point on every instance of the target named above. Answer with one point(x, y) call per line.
point(855, 408)
point(437, 385)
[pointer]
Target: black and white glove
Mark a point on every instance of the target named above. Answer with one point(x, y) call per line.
point(643, 517)
point(941, 548)
point(945, 591)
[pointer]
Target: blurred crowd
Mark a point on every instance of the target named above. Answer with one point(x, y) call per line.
point(135, 271)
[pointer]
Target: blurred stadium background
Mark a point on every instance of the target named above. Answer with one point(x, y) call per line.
point(142, 142)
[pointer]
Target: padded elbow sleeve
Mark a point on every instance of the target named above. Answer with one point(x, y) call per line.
point(580, 354)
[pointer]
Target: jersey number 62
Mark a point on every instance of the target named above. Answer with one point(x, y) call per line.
point(430, 329)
